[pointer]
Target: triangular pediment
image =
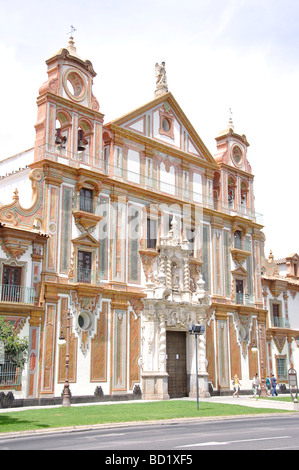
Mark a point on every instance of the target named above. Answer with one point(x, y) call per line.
point(86, 239)
point(164, 121)
point(239, 271)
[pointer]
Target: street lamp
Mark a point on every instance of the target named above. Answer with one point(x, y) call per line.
point(66, 397)
point(196, 330)
point(262, 344)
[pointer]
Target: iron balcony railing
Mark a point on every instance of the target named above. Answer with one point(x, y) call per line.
point(10, 375)
point(17, 294)
point(87, 276)
point(280, 322)
point(244, 299)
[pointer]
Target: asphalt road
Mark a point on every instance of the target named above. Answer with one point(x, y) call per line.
point(178, 439)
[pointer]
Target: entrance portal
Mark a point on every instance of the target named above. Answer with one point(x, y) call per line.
point(176, 363)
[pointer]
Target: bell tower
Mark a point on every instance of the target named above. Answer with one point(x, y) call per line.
point(69, 124)
point(233, 184)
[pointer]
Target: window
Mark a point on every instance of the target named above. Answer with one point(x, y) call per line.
point(106, 153)
point(133, 166)
point(84, 266)
point(190, 235)
point(86, 197)
point(282, 369)
point(239, 291)
point(238, 240)
point(152, 230)
point(277, 321)
point(11, 282)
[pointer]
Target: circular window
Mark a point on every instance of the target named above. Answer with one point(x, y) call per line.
point(74, 84)
point(166, 125)
point(84, 321)
point(237, 155)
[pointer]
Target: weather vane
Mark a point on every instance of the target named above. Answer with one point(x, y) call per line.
point(72, 30)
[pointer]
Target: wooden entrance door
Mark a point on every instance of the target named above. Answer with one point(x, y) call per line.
point(176, 363)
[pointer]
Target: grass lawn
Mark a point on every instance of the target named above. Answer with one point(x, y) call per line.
point(278, 398)
point(116, 413)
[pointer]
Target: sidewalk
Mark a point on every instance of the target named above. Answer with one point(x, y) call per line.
point(250, 401)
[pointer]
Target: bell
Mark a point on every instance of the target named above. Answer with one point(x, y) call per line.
point(81, 141)
point(58, 137)
point(60, 140)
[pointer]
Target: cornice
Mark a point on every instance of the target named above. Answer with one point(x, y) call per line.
point(69, 105)
point(234, 170)
point(54, 289)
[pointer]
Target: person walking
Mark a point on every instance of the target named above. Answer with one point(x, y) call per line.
point(255, 384)
point(274, 385)
point(237, 385)
point(268, 385)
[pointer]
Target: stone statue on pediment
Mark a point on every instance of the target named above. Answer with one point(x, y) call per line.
point(161, 80)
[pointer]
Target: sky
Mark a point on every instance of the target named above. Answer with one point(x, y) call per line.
point(219, 54)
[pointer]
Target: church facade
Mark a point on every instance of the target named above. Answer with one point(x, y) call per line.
point(132, 231)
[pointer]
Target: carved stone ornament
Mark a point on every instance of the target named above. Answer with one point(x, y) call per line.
point(169, 288)
point(86, 310)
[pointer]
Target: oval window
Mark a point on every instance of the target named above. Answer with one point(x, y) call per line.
point(84, 321)
point(166, 125)
point(237, 155)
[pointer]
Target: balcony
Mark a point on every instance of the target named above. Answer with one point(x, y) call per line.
point(57, 153)
point(87, 276)
point(278, 322)
point(244, 299)
point(17, 294)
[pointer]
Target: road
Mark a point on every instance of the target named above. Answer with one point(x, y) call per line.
point(250, 433)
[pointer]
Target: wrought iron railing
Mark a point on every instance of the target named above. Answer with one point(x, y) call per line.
point(280, 322)
point(10, 375)
point(87, 276)
point(16, 294)
point(244, 299)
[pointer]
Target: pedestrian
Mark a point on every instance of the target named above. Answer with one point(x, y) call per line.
point(268, 385)
point(255, 384)
point(274, 385)
point(237, 385)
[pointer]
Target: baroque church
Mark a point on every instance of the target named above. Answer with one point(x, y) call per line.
point(122, 236)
